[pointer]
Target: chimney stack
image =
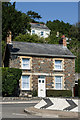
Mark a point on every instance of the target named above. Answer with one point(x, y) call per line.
point(9, 38)
point(63, 41)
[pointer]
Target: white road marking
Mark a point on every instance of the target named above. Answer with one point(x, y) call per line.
point(19, 102)
point(19, 114)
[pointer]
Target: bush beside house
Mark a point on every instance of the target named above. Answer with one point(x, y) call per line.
point(58, 93)
point(79, 88)
point(10, 81)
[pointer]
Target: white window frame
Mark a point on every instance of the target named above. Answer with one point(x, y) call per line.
point(59, 83)
point(58, 64)
point(41, 33)
point(33, 32)
point(22, 83)
point(28, 64)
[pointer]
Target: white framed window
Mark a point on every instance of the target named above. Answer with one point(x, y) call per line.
point(58, 82)
point(58, 65)
point(42, 33)
point(25, 82)
point(33, 31)
point(25, 63)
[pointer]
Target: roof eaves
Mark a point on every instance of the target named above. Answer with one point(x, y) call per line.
point(48, 55)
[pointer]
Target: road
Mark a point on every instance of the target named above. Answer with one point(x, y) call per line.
point(17, 110)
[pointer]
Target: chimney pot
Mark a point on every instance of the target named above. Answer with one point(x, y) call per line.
point(9, 38)
point(64, 41)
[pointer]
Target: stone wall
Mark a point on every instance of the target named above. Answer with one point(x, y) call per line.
point(45, 66)
point(42, 65)
point(14, 61)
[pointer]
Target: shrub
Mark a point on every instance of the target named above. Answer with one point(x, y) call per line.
point(10, 81)
point(0, 81)
point(34, 93)
point(79, 88)
point(58, 93)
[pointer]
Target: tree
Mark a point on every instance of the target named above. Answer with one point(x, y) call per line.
point(13, 20)
point(74, 45)
point(29, 38)
point(33, 15)
point(58, 26)
point(10, 81)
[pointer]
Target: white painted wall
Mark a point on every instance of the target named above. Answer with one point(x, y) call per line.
point(38, 32)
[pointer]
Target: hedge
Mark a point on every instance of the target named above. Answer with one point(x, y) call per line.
point(58, 93)
point(79, 88)
point(10, 81)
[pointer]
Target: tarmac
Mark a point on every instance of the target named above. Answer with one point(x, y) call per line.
point(51, 113)
point(44, 113)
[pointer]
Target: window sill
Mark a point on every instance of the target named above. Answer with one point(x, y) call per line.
point(25, 89)
point(58, 70)
point(26, 68)
point(57, 89)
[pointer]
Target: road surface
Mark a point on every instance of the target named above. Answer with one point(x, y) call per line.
point(16, 110)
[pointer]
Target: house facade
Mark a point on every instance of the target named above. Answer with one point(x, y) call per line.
point(40, 29)
point(44, 67)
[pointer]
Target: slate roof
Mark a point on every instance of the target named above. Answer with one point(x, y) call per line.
point(40, 26)
point(36, 49)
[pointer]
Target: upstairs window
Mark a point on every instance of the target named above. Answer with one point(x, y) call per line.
point(25, 63)
point(58, 82)
point(58, 64)
point(42, 33)
point(33, 31)
point(25, 82)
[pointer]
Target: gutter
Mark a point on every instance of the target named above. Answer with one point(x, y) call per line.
point(44, 55)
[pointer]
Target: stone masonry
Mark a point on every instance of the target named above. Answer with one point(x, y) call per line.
point(44, 66)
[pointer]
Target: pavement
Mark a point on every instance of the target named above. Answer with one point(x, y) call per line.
point(50, 113)
point(18, 102)
point(44, 113)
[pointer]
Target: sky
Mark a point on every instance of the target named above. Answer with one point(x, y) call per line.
point(65, 11)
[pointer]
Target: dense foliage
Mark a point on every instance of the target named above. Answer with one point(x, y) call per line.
point(56, 26)
point(13, 20)
point(29, 38)
point(33, 15)
point(10, 81)
point(0, 81)
point(3, 47)
point(79, 88)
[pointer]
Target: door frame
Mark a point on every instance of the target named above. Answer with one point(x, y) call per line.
point(42, 78)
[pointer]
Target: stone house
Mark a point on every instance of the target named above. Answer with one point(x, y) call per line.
point(40, 29)
point(44, 66)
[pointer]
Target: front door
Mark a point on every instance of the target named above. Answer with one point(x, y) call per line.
point(41, 87)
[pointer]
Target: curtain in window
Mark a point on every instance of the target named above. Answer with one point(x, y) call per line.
point(25, 63)
point(58, 82)
point(58, 64)
point(25, 82)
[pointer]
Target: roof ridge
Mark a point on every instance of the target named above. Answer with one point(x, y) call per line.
point(37, 43)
